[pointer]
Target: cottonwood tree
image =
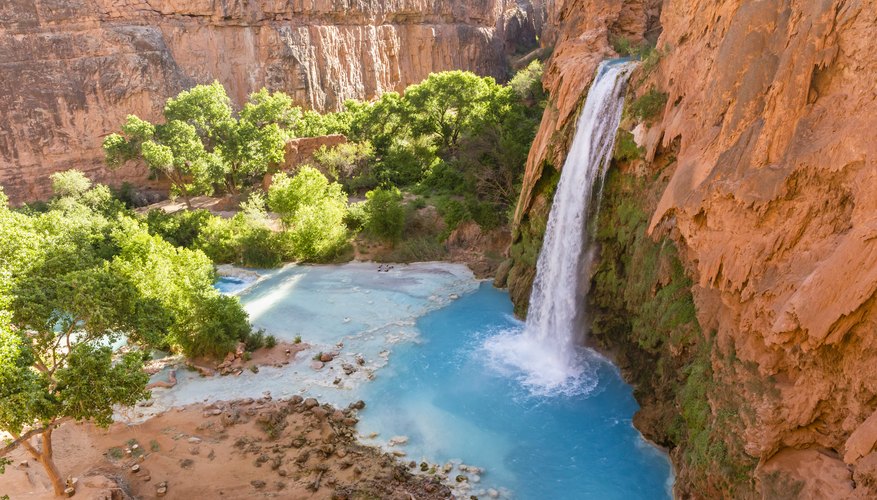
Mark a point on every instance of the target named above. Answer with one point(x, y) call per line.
point(449, 104)
point(73, 280)
point(60, 307)
point(203, 144)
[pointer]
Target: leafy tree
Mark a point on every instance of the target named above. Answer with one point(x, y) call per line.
point(179, 282)
point(385, 213)
point(379, 122)
point(173, 149)
point(312, 210)
point(257, 140)
point(70, 183)
point(61, 303)
point(449, 104)
point(202, 144)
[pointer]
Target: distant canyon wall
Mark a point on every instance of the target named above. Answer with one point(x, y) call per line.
point(71, 70)
point(771, 197)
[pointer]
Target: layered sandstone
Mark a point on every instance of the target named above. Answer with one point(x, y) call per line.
point(775, 198)
point(71, 70)
point(772, 201)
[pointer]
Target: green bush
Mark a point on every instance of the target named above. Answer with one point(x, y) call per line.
point(385, 214)
point(443, 178)
point(313, 213)
point(70, 183)
point(346, 162)
point(649, 105)
point(356, 216)
point(180, 229)
point(241, 240)
point(454, 212)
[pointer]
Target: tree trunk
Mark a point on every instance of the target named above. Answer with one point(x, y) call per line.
point(46, 459)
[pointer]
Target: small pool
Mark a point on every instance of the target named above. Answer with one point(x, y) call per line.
point(233, 284)
point(420, 333)
point(445, 396)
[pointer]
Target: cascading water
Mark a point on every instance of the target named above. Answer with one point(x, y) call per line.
point(545, 351)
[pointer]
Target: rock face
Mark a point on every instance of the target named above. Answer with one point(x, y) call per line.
point(771, 201)
point(70, 70)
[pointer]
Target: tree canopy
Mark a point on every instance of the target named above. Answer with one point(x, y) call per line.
point(203, 145)
point(75, 280)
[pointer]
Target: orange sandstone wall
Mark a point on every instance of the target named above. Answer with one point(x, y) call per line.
point(771, 114)
point(70, 70)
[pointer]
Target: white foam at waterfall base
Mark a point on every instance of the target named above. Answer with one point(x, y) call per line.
point(545, 353)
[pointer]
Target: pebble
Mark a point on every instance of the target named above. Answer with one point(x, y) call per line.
point(492, 493)
point(317, 365)
point(398, 440)
point(194, 440)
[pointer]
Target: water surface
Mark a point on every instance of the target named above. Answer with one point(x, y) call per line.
point(420, 331)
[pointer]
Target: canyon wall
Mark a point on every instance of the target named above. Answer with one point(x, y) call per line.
point(71, 70)
point(759, 167)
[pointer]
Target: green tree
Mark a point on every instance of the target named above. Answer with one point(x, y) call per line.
point(203, 144)
point(449, 104)
point(312, 210)
point(61, 303)
point(385, 215)
point(173, 149)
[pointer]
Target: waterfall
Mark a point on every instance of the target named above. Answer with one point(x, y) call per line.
point(545, 351)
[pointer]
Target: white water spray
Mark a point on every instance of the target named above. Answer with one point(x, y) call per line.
point(545, 352)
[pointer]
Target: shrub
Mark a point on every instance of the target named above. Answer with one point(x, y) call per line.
point(649, 105)
point(180, 229)
point(443, 178)
point(270, 341)
point(385, 213)
point(625, 147)
point(454, 212)
point(356, 216)
point(313, 211)
point(345, 162)
point(257, 339)
point(70, 183)
point(240, 240)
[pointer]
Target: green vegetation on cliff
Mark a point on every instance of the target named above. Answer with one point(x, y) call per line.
point(643, 311)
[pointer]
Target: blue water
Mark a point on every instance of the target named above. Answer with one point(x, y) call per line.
point(231, 284)
point(419, 332)
point(446, 398)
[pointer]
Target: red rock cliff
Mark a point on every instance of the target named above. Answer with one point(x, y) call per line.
point(770, 115)
point(70, 70)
